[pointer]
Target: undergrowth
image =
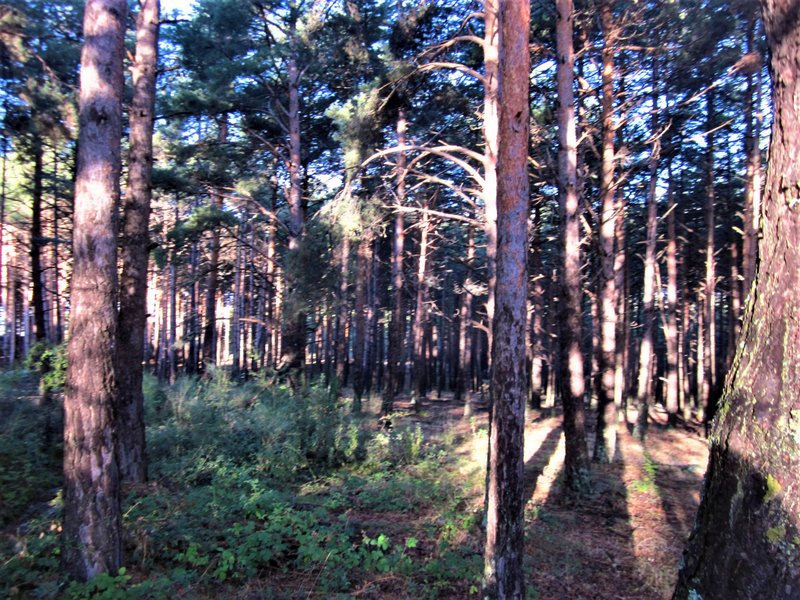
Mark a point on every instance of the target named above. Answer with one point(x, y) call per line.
point(252, 485)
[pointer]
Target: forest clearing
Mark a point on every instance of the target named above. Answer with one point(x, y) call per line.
point(400, 299)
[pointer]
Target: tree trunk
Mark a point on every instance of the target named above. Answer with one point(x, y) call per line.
point(294, 338)
point(744, 542)
point(37, 241)
point(606, 437)
point(503, 555)
point(644, 386)
point(342, 337)
point(752, 189)
point(710, 346)
point(91, 539)
point(397, 324)
point(421, 313)
point(576, 462)
point(671, 329)
point(361, 322)
point(134, 251)
point(491, 47)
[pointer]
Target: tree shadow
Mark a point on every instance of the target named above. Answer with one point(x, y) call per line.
point(585, 547)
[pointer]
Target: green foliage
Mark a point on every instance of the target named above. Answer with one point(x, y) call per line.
point(50, 362)
point(30, 446)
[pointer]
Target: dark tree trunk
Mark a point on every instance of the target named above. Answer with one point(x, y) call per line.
point(133, 250)
point(503, 556)
point(37, 241)
point(91, 539)
point(745, 538)
point(576, 463)
point(397, 325)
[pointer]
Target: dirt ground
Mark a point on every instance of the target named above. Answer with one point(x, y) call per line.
point(625, 540)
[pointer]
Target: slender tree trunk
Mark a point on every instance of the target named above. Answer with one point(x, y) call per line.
point(710, 377)
point(644, 386)
point(37, 241)
point(576, 464)
point(361, 323)
point(743, 544)
point(503, 554)
point(464, 384)
point(537, 332)
point(294, 338)
point(421, 313)
point(342, 337)
point(91, 538)
point(397, 325)
point(134, 250)
point(671, 329)
point(752, 189)
point(606, 437)
point(491, 46)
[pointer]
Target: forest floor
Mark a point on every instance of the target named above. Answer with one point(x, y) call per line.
point(622, 541)
point(233, 511)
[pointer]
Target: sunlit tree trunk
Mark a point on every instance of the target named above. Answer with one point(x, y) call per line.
point(342, 334)
point(576, 465)
point(91, 538)
point(743, 544)
point(491, 46)
point(134, 250)
point(671, 329)
point(504, 550)
point(710, 346)
point(606, 438)
point(752, 189)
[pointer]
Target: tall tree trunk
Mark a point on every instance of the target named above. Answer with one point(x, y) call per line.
point(294, 338)
point(671, 329)
point(397, 324)
point(537, 333)
point(644, 386)
point(606, 437)
point(710, 359)
point(212, 285)
point(576, 463)
point(361, 322)
point(91, 538)
point(37, 242)
point(133, 250)
point(752, 189)
point(342, 337)
point(744, 541)
point(464, 384)
point(491, 123)
point(421, 312)
point(504, 550)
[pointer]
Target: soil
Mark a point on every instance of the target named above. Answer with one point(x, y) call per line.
point(623, 541)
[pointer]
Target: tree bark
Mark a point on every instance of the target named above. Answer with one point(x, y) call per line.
point(745, 537)
point(491, 46)
point(671, 329)
point(644, 386)
point(134, 251)
point(37, 241)
point(503, 555)
point(576, 462)
point(397, 324)
point(606, 437)
point(421, 312)
point(91, 539)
